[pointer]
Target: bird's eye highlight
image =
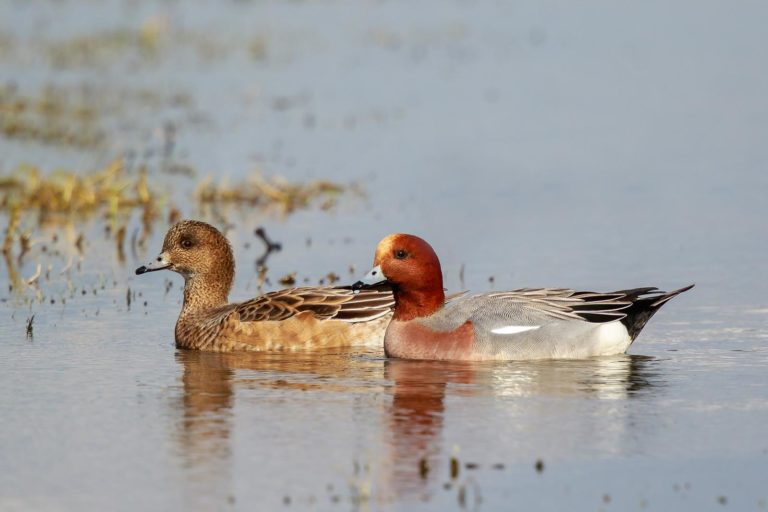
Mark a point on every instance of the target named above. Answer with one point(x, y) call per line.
point(186, 243)
point(401, 254)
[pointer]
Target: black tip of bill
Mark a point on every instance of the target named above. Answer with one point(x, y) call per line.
point(359, 285)
point(141, 270)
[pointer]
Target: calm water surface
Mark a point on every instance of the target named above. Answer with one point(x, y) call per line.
point(604, 145)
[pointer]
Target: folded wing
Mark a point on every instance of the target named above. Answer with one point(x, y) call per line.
point(338, 303)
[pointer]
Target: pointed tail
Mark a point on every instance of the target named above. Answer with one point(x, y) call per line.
point(645, 303)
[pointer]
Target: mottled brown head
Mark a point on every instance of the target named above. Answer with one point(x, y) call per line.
point(411, 266)
point(197, 251)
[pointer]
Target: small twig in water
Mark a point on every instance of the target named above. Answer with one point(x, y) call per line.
point(270, 247)
point(30, 326)
point(33, 279)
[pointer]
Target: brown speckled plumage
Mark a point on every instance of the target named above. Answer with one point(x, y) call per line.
point(290, 319)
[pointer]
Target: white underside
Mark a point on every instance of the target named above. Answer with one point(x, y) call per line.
point(612, 338)
point(514, 329)
point(596, 340)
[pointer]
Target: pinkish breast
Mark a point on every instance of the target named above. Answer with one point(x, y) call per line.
point(411, 340)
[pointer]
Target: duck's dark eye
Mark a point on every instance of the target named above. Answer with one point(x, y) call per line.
point(401, 254)
point(186, 243)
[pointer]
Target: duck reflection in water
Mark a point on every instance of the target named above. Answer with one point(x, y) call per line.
point(415, 421)
point(204, 428)
point(530, 397)
point(528, 402)
point(210, 381)
point(206, 403)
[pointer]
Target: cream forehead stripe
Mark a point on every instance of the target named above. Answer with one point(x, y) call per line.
point(385, 247)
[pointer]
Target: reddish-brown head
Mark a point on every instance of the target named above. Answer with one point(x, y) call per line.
point(411, 266)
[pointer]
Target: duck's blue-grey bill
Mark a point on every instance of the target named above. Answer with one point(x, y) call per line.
point(374, 276)
point(158, 263)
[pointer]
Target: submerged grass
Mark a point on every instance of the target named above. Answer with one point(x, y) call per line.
point(156, 37)
point(31, 200)
point(87, 118)
point(275, 193)
point(101, 47)
point(112, 190)
point(52, 117)
point(68, 193)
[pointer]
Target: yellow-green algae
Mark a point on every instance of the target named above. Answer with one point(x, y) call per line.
point(31, 199)
point(52, 117)
point(274, 193)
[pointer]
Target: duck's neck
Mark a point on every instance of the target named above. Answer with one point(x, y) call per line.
point(410, 304)
point(202, 293)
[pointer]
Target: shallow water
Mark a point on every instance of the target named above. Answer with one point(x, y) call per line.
point(538, 144)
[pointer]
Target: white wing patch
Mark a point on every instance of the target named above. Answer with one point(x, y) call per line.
point(514, 329)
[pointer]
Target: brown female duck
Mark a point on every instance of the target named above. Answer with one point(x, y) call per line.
point(290, 319)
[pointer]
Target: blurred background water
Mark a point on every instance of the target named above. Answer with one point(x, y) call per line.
point(598, 145)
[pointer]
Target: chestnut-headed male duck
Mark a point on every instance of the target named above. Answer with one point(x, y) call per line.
point(290, 319)
point(529, 323)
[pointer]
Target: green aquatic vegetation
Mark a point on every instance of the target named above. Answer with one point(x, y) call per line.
point(258, 48)
point(103, 47)
point(7, 44)
point(154, 39)
point(70, 193)
point(52, 117)
point(31, 198)
point(87, 117)
point(275, 193)
point(114, 192)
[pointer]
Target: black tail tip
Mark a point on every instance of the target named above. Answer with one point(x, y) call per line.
point(671, 295)
point(643, 308)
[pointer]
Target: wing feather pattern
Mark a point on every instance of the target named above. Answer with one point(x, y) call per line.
point(337, 303)
point(567, 304)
